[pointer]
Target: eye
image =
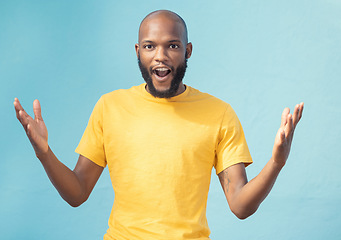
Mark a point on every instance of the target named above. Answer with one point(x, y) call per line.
point(174, 46)
point(148, 46)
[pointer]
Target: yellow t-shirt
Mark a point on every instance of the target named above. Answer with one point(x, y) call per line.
point(160, 154)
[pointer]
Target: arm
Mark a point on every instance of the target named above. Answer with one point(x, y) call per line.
point(73, 186)
point(245, 197)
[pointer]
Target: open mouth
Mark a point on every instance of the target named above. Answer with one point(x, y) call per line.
point(161, 72)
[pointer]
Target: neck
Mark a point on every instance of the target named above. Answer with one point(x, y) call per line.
point(181, 89)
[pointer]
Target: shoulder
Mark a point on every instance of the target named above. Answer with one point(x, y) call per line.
point(120, 94)
point(207, 99)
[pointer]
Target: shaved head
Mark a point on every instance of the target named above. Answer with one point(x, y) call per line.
point(162, 51)
point(165, 14)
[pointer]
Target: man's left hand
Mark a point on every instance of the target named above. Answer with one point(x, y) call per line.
point(285, 134)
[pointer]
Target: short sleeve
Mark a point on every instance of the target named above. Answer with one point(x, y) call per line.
point(232, 147)
point(91, 144)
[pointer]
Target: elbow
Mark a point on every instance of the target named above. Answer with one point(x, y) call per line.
point(243, 214)
point(76, 202)
point(74, 195)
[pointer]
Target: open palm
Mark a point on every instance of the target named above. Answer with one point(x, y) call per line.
point(34, 128)
point(285, 134)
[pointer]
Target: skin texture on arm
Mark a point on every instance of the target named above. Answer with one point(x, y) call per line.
point(74, 186)
point(245, 197)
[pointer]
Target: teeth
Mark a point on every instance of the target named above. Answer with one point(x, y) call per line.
point(161, 69)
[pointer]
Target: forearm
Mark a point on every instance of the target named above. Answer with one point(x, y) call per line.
point(63, 179)
point(74, 186)
point(247, 200)
point(245, 197)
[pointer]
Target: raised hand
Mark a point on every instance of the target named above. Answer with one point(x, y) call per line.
point(35, 128)
point(285, 134)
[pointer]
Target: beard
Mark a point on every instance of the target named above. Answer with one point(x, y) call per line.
point(175, 83)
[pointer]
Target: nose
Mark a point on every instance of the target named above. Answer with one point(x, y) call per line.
point(160, 55)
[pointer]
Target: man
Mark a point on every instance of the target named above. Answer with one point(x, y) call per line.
point(160, 141)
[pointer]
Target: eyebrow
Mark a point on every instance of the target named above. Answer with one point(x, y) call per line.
point(170, 41)
point(175, 40)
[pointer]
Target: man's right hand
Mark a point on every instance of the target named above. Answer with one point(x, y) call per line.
point(74, 186)
point(35, 128)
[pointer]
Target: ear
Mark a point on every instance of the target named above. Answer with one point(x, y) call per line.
point(189, 49)
point(137, 47)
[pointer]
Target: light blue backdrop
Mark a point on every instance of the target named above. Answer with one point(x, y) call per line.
point(260, 56)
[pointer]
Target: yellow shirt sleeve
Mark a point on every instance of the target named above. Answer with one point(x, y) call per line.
point(91, 145)
point(232, 147)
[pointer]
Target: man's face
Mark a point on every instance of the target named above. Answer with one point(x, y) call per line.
point(174, 85)
point(162, 53)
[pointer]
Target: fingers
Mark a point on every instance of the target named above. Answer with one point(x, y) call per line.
point(17, 107)
point(19, 110)
point(290, 120)
point(301, 111)
point(297, 115)
point(290, 125)
point(37, 110)
point(285, 113)
point(22, 116)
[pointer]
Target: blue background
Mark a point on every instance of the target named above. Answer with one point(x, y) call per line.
point(260, 56)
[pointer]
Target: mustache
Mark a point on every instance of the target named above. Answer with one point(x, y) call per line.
point(151, 68)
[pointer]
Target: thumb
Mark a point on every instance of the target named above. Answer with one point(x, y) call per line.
point(280, 137)
point(37, 110)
